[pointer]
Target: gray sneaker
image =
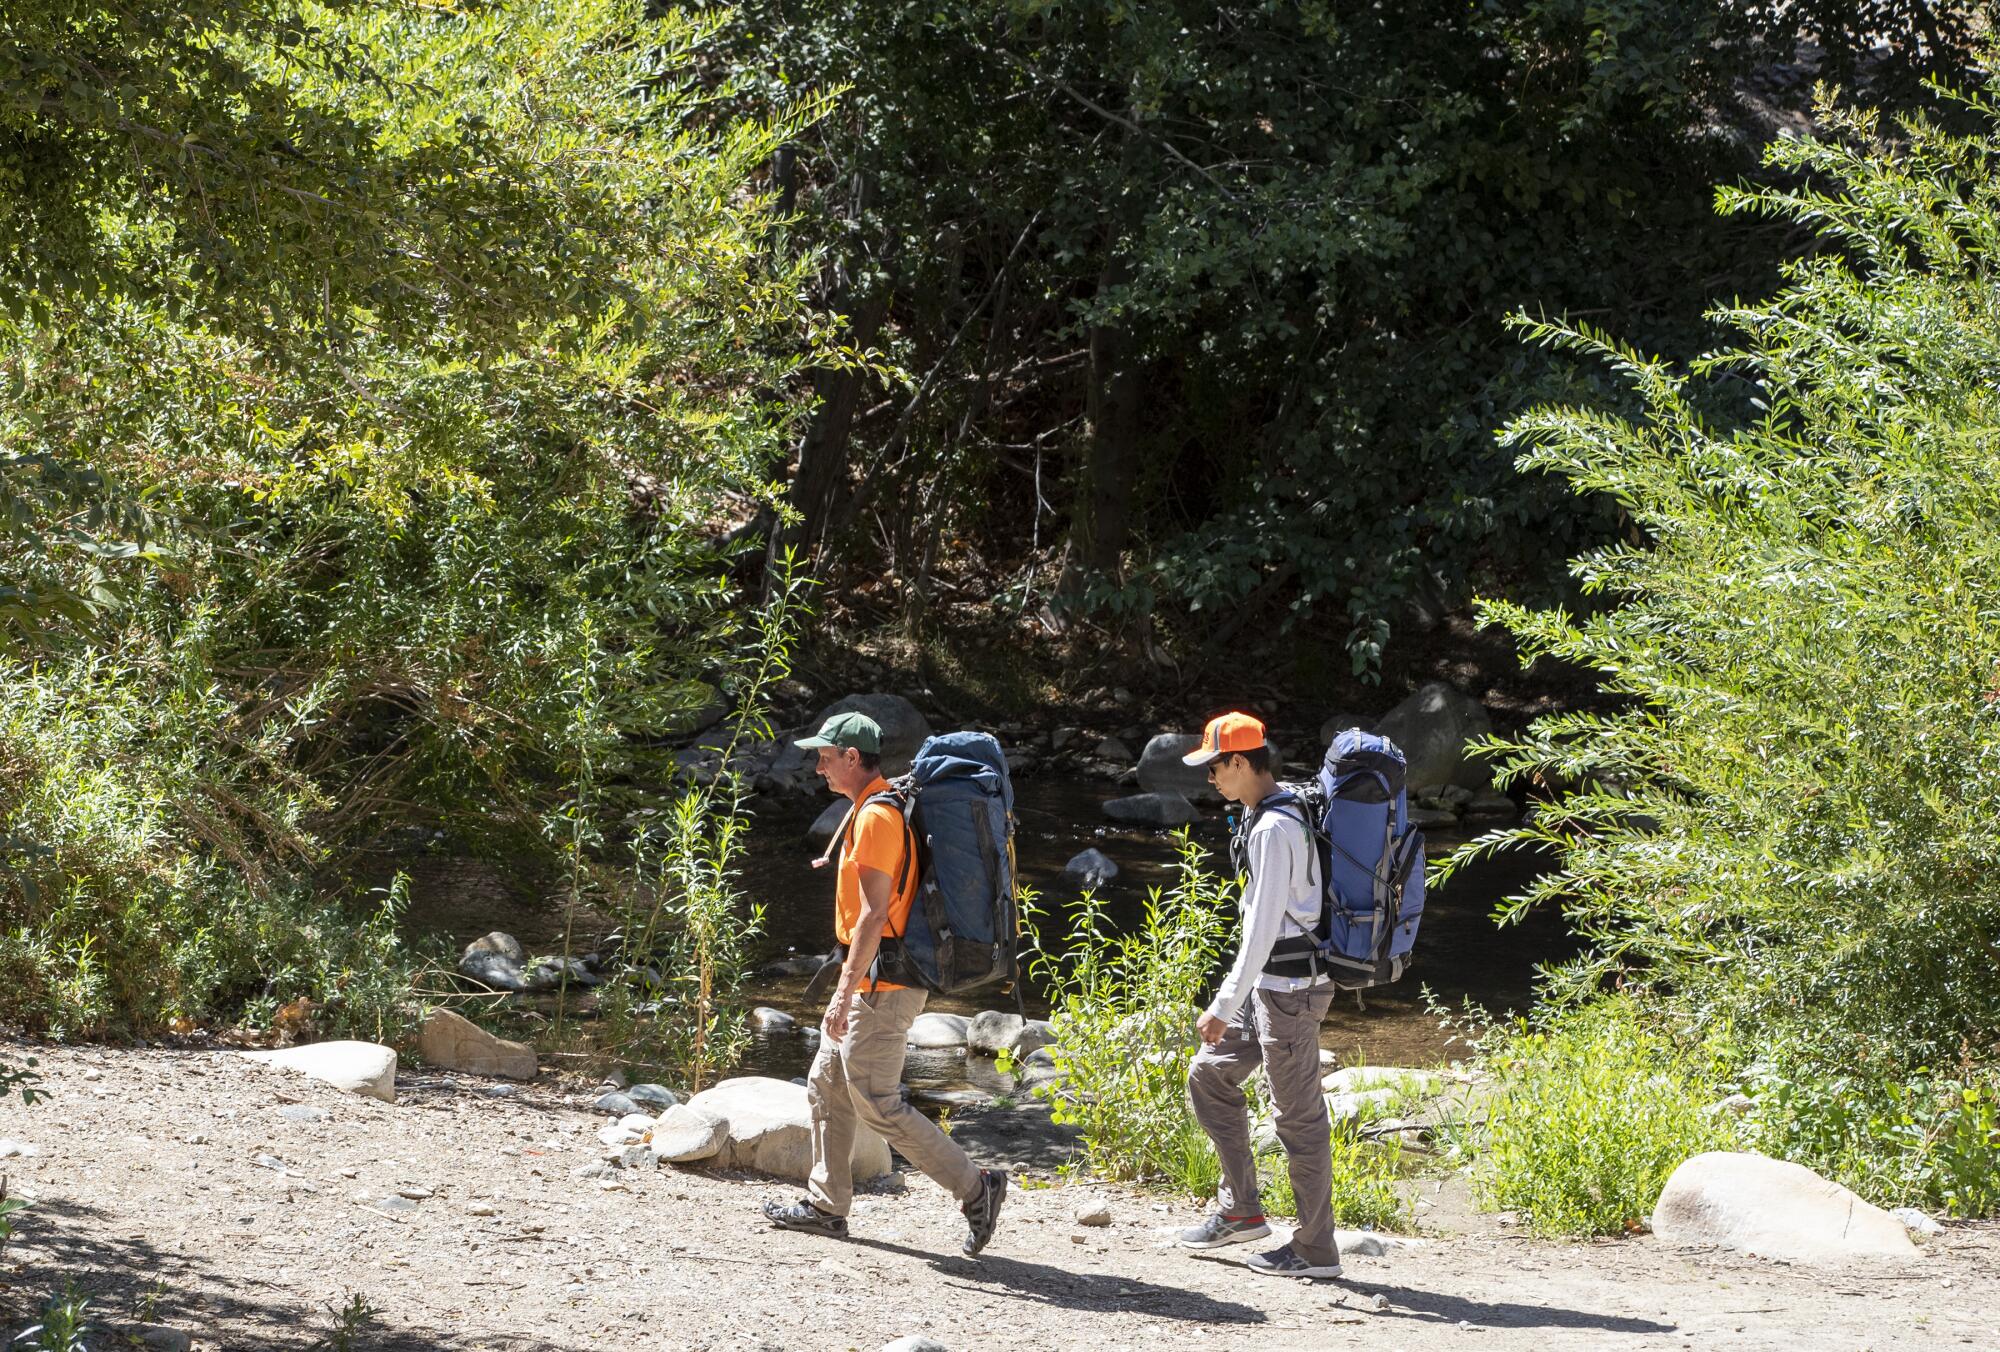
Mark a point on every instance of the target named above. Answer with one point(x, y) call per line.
point(1285, 1262)
point(983, 1211)
point(1219, 1230)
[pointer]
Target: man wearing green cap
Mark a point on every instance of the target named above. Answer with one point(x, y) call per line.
point(858, 1073)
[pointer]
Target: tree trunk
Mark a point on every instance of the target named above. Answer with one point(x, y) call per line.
point(1102, 522)
point(821, 476)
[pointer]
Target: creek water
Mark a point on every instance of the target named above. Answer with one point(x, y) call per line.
point(1460, 951)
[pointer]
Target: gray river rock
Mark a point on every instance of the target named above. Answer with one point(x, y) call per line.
point(1151, 809)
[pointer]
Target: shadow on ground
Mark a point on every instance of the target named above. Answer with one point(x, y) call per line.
point(996, 1274)
point(130, 1282)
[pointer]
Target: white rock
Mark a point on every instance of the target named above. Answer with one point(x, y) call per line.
point(938, 1030)
point(1913, 1219)
point(1394, 1078)
point(1371, 1243)
point(18, 1150)
point(770, 1129)
point(914, 1342)
point(635, 1157)
point(638, 1122)
point(769, 1020)
point(481, 1209)
point(1774, 1209)
point(684, 1135)
point(358, 1067)
point(1093, 1214)
point(454, 1042)
point(992, 1031)
point(1349, 1108)
point(617, 1135)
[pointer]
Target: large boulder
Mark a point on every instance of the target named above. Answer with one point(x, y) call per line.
point(358, 1067)
point(1161, 769)
point(1339, 721)
point(1151, 809)
point(454, 1042)
point(828, 822)
point(1432, 727)
point(903, 731)
point(1774, 1209)
point(770, 1129)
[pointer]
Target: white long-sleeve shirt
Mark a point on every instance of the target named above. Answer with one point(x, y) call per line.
point(1281, 896)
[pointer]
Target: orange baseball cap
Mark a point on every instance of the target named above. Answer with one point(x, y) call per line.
point(1224, 734)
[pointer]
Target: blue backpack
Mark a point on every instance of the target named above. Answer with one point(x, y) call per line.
point(1371, 865)
point(962, 932)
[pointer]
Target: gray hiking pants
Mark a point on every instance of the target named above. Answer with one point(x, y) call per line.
point(1280, 1031)
point(860, 1079)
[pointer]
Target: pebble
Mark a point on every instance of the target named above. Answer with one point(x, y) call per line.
point(93, 1074)
point(299, 1112)
point(481, 1209)
point(1093, 1214)
point(652, 1096)
point(616, 1103)
point(268, 1162)
point(769, 1020)
point(1916, 1220)
point(393, 1204)
point(501, 1090)
point(1378, 1301)
point(350, 1173)
point(635, 1157)
point(414, 1192)
point(198, 1138)
point(18, 1150)
point(158, 1339)
point(914, 1342)
point(591, 1171)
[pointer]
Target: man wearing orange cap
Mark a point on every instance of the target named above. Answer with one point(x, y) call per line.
point(1267, 1013)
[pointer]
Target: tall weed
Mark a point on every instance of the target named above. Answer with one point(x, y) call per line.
point(1123, 1010)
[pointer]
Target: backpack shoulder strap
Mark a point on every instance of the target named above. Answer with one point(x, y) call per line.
point(894, 798)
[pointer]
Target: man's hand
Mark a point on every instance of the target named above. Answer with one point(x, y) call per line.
point(835, 1022)
point(1210, 1028)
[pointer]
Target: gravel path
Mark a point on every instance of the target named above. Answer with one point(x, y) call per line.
point(240, 1204)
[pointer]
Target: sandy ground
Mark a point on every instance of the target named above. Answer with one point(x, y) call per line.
point(175, 1188)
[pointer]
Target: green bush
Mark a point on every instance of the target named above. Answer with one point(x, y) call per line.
point(1790, 826)
point(1587, 1118)
point(370, 493)
point(1123, 1010)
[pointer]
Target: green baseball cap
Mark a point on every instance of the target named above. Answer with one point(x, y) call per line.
point(858, 731)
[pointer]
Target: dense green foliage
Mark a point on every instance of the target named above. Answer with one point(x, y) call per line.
point(1790, 832)
point(1587, 1118)
point(1189, 289)
point(425, 352)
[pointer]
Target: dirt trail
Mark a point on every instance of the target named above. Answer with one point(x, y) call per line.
point(240, 1202)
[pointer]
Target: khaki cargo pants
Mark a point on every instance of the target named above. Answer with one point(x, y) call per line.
point(1280, 1031)
point(860, 1078)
